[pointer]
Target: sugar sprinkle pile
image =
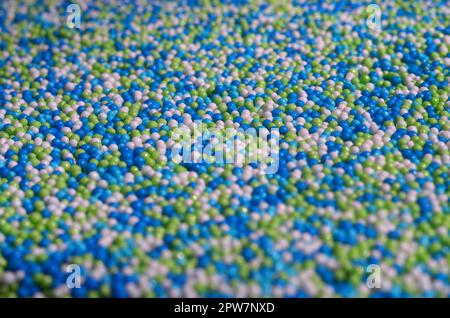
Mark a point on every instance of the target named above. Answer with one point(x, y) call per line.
point(87, 115)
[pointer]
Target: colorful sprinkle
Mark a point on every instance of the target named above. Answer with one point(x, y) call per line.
point(92, 203)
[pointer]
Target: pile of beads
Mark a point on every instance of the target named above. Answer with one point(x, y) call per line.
point(86, 176)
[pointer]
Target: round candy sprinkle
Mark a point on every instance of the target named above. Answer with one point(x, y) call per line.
point(93, 204)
